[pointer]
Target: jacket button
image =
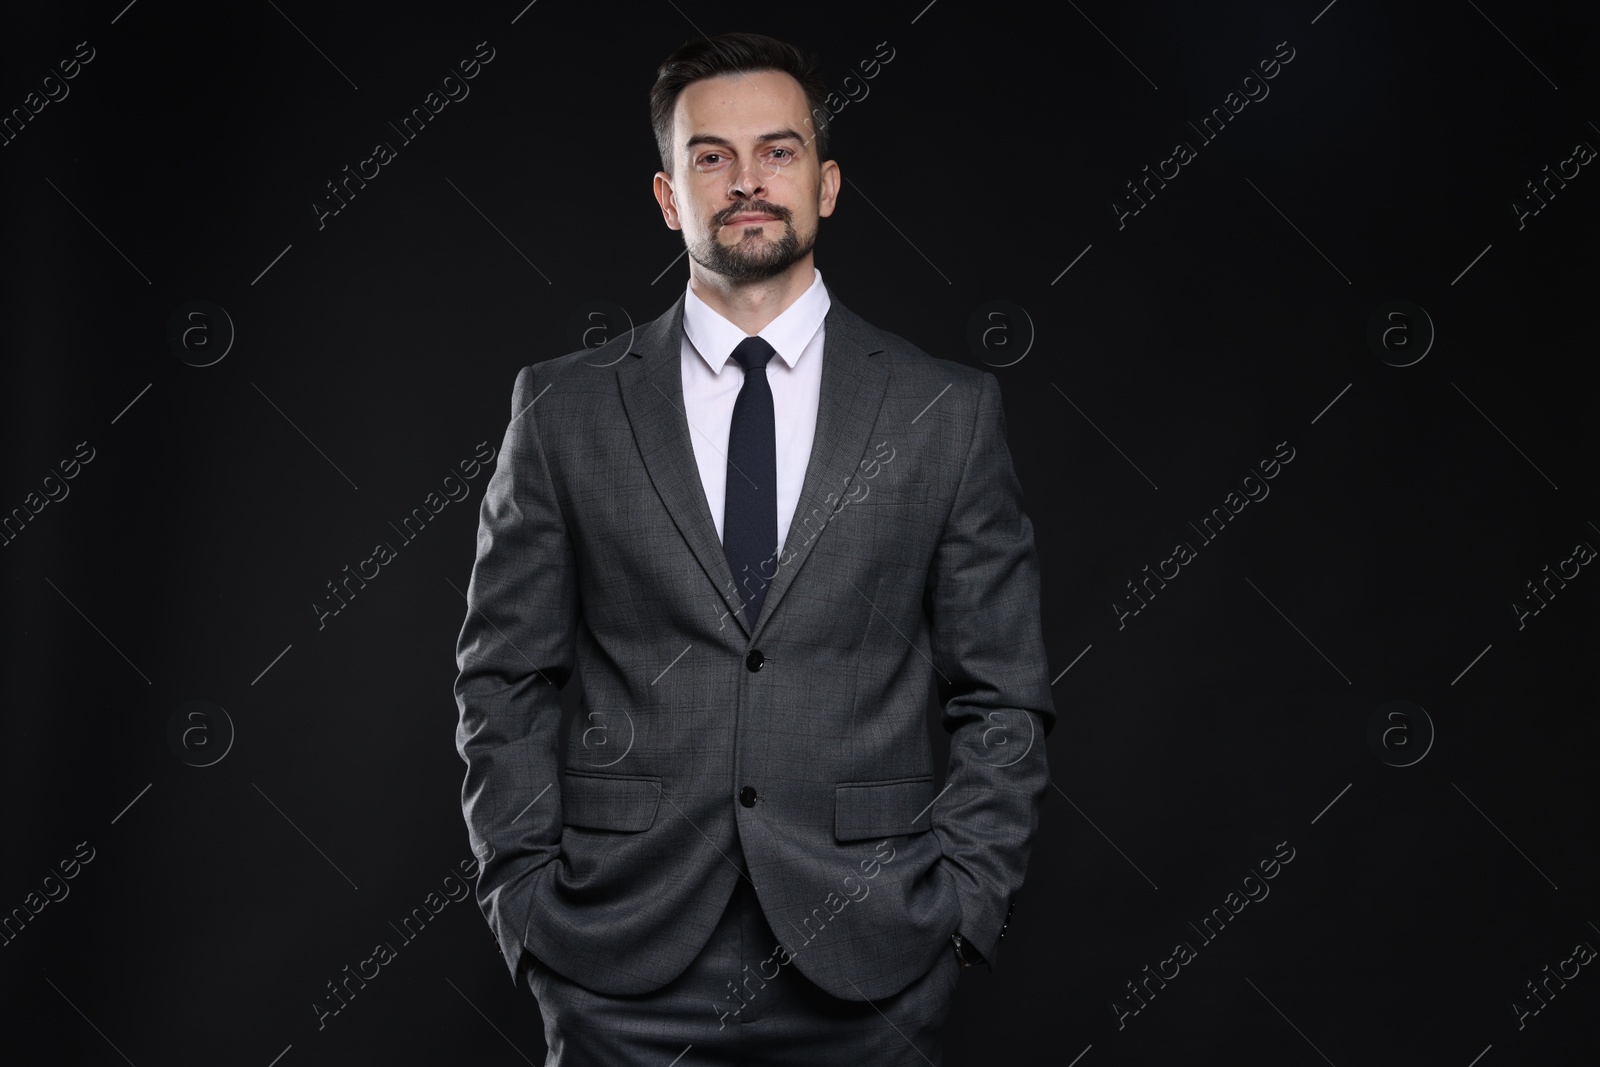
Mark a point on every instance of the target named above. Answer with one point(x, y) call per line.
point(754, 660)
point(747, 796)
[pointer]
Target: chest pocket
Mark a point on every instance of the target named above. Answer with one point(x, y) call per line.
point(880, 492)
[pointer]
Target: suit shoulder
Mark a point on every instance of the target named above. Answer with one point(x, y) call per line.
point(570, 368)
point(903, 352)
point(914, 363)
point(554, 367)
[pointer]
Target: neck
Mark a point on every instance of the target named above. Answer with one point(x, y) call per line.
point(751, 304)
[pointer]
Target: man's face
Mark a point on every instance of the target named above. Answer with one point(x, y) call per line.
point(747, 188)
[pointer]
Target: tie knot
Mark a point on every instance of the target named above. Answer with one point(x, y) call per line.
point(753, 353)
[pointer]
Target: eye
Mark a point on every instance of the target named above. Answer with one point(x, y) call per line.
point(788, 153)
point(710, 157)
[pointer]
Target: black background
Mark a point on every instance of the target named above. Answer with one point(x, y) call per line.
point(1141, 385)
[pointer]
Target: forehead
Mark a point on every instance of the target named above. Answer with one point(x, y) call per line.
point(731, 105)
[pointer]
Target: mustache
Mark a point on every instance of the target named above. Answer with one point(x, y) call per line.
point(775, 211)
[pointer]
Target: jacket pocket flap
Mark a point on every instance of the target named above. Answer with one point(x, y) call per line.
point(592, 802)
point(882, 809)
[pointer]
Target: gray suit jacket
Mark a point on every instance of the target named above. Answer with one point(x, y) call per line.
point(800, 748)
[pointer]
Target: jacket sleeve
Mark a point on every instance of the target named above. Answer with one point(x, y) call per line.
point(514, 654)
point(992, 676)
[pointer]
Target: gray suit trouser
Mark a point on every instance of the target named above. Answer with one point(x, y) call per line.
point(730, 1008)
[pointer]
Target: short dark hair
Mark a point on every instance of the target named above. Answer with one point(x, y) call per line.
point(735, 53)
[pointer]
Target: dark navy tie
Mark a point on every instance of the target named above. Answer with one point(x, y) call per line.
point(750, 508)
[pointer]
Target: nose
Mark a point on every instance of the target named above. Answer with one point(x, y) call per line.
point(748, 180)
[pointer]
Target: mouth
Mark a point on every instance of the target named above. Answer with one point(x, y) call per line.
point(751, 220)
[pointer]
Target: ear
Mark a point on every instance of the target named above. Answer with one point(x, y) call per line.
point(828, 189)
point(662, 188)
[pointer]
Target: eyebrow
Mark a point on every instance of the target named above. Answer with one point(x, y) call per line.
point(723, 142)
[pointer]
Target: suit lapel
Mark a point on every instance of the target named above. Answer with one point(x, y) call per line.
point(651, 380)
point(852, 389)
point(853, 385)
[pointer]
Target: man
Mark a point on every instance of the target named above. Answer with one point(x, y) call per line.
point(759, 528)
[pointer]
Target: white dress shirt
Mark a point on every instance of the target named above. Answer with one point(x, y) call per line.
point(711, 383)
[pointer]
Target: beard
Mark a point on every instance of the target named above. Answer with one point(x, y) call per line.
point(755, 255)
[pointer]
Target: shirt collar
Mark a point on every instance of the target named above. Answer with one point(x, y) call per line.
point(715, 338)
